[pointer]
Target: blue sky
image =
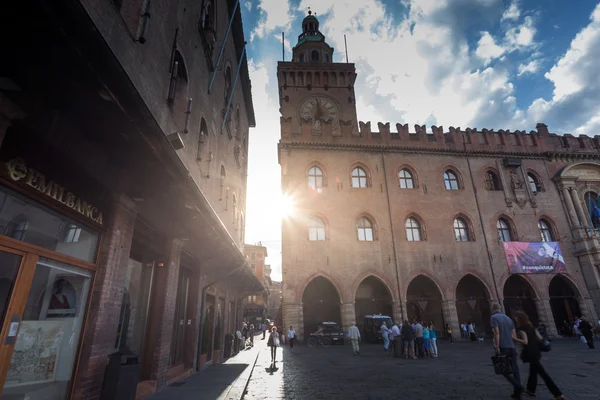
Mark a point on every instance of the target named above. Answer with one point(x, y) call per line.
point(496, 64)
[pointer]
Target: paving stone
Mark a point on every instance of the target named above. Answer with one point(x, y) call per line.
point(462, 371)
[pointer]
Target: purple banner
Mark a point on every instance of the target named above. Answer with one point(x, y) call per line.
point(534, 257)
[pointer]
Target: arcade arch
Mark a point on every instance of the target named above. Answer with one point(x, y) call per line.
point(472, 304)
point(424, 301)
point(564, 303)
point(372, 297)
point(520, 296)
point(320, 302)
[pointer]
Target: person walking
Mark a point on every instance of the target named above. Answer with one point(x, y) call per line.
point(463, 328)
point(245, 334)
point(408, 340)
point(273, 343)
point(472, 334)
point(433, 340)
point(395, 339)
point(586, 331)
point(531, 354)
point(449, 332)
point(385, 336)
point(504, 331)
point(291, 337)
point(263, 328)
point(251, 335)
point(354, 336)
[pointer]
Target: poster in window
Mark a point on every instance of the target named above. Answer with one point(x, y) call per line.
point(534, 258)
point(65, 298)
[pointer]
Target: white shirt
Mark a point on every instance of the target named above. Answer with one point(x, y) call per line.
point(291, 333)
point(384, 330)
point(471, 328)
point(395, 331)
point(463, 327)
point(353, 332)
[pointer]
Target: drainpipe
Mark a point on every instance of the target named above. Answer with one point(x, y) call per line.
point(203, 303)
point(487, 247)
point(387, 193)
point(212, 78)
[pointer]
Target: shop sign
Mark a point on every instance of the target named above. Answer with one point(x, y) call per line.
point(18, 171)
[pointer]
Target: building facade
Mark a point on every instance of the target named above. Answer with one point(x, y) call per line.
point(123, 137)
point(255, 305)
point(413, 224)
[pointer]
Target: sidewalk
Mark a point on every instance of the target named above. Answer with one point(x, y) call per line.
point(226, 381)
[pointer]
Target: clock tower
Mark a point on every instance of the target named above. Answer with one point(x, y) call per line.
point(316, 95)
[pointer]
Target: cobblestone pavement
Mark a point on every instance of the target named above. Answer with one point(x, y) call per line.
point(462, 371)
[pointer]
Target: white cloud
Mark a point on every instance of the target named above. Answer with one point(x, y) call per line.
point(487, 49)
point(521, 36)
point(274, 14)
point(512, 13)
point(530, 68)
point(248, 5)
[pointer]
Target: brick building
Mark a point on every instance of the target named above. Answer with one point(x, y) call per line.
point(123, 138)
point(413, 224)
point(255, 305)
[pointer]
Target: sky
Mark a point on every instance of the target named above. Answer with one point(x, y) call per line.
point(495, 64)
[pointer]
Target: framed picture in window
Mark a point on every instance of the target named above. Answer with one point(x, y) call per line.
point(65, 297)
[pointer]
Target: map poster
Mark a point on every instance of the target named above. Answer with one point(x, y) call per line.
point(36, 353)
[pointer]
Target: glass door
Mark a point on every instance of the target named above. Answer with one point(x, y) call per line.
point(44, 321)
point(181, 319)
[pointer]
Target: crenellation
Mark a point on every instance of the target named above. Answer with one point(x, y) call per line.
point(384, 129)
point(365, 128)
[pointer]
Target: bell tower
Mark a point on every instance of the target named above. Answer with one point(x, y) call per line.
point(316, 95)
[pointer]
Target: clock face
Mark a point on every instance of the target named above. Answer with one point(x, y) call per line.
point(317, 108)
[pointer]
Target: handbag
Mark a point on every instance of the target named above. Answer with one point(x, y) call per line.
point(276, 342)
point(545, 345)
point(502, 365)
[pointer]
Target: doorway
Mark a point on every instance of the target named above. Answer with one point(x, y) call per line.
point(182, 321)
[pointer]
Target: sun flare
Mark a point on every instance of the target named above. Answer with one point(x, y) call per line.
point(285, 205)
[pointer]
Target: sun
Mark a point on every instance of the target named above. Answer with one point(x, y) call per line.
point(285, 205)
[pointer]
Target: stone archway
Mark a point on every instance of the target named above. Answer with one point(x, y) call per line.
point(520, 296)
point(372, 297)
point(472, 304)
point(424, 302)
point(321, 302)
point(564, 304)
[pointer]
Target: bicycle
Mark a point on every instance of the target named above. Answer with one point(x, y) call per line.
point(322, 340)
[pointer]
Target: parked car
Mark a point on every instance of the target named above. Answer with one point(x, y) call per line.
point(372, 327)
point(331, 330)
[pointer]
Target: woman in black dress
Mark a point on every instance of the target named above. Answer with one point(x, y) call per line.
point(273, 343)
point(530, 338)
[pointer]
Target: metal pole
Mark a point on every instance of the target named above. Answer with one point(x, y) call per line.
point(346, 46)
point(282, 46)
point(237, 74)
point(212, 78)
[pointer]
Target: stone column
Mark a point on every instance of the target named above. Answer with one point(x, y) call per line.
point(403, 309)
point(105, 301)
point(293, 315)
point(397, 312)
point(583, 220)
point(544, 311)
point(451, 317)
point(348, 315)
point(588, 311)
point(570, 208)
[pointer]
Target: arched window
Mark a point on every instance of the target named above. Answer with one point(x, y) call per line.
point(406, 179)
point(202, 138)
point(504, 231)
point(301, 59)
point(413, 230)
point(491, 181)
point(545, 231)
point(534, 184)
point(315, 177)
point(359, 178)
point(326, 57)
point(316, 229)
point(314, 55)
point(593, 206)
point(461, 232)
point(450, 180)
point(365, 230)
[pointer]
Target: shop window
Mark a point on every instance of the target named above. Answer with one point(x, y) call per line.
point(365, 230)
point(73, 233)
point(46, 347)
point(25, 220)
